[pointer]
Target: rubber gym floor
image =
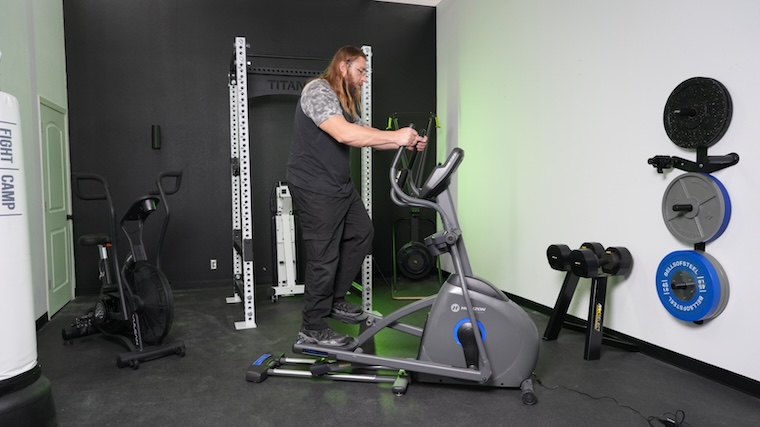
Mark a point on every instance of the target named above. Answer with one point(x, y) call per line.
point(208, 388)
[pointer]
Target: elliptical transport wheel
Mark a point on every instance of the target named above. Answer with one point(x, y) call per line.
point(153, 300)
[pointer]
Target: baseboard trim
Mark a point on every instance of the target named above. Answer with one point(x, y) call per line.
point(714, 373)
point(202, 284)
point(42, 321)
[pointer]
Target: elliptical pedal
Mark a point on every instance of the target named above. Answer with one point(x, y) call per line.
point(301, 346)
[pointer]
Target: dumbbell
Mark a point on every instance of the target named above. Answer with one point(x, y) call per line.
point(589, 262)
point(559, 255)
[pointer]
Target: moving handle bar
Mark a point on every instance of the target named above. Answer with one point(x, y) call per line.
point(435, 183)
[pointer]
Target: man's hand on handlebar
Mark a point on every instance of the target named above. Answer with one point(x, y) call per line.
point(408, 137)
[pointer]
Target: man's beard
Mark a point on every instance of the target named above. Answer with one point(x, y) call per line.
point(353, 86)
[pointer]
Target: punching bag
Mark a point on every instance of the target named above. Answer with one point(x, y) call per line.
point(25, 395)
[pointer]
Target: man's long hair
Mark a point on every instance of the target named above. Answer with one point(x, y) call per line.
point(348, 96)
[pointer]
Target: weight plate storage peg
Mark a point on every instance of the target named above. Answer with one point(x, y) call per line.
point(696, 208)
point(697, 113)
point(692, 285)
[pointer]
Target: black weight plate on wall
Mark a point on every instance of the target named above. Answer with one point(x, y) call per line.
point(697, 113)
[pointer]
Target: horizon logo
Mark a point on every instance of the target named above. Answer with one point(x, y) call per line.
point(456, 308)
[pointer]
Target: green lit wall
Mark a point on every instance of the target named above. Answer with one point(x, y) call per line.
point(558, 105)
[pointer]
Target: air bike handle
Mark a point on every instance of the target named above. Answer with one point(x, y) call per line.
point(80, 178)
point(174, 177)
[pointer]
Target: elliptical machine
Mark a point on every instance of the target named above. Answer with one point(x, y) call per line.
point(135, 306)
point(473, 335)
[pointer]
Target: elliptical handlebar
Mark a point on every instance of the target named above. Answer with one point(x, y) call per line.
point(436, 182)
point(403, 174)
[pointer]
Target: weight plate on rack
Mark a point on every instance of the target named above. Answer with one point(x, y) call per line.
point(415, 261)
point(696, 208)
point(697, 113)
point(692, 285)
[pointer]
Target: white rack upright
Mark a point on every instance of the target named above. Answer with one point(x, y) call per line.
point(289, 81)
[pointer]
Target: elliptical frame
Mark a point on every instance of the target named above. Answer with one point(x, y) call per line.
point(512, 341)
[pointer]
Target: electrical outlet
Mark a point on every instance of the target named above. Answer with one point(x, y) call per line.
point(213, 264)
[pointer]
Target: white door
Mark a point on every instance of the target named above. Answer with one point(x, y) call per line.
point(57, 193)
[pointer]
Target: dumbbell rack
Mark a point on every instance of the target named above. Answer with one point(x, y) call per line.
point(594, 262)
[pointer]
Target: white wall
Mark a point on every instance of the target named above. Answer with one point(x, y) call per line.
point(33, 65)
point(558, 105)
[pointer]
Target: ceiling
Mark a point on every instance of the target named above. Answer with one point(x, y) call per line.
point(417, 2)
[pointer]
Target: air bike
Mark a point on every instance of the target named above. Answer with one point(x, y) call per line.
point(474, 335)
point(135, 307)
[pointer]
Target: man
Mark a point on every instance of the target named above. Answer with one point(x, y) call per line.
point(337, 231)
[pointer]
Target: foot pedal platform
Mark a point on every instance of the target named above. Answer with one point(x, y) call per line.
point(351, 320)
point(258, 371)
point(272, 364)
point(303, 347)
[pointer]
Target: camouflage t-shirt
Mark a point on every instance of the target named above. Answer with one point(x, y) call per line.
point(317, 161)
point(320, 102)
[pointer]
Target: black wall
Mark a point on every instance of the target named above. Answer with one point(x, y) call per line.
point(132, 64)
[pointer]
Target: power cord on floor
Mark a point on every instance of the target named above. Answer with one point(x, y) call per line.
point(666, 419)
point(377, 269)
point(670, 419)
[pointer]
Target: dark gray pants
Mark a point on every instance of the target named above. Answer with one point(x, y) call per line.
point(337, 235)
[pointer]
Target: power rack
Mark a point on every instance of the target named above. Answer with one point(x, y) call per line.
point(255, 75)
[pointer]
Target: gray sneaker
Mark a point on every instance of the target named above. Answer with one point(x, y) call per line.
point(347, 312)
point(324, 337)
